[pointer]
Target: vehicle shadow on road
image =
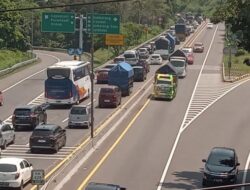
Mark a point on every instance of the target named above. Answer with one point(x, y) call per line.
point(184, 180)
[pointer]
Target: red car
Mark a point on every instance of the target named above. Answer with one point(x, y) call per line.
point(198, 47)
point(1, 98)
point(110, 96)
point(102, 75)
point(190, 58)
point(189, 53)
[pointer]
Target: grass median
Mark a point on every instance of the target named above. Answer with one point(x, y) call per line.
point(238, 68)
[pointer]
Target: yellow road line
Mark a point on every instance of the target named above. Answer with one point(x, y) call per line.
point(112, 147)
point(96, 132)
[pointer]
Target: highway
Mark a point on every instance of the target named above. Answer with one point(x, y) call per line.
point(163, 142)
point(162, 147)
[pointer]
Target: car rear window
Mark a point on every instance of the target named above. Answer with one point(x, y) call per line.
point(155, 56)
point(80, 111)
point(22, 112)
point(8, 168)
point(42, 132)
point(107, 90)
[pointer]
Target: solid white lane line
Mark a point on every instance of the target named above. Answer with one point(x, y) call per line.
point(183, 121)
point(245, 171)
point(30, 75)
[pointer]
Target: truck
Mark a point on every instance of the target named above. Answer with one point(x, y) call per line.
point(166, 82)
point(181, 31)
point(162, 47)
point(172, 42)
point(178, 60)
point(122, 75)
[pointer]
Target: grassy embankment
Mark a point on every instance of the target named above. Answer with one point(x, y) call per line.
point(9, 58)
point(237, 68)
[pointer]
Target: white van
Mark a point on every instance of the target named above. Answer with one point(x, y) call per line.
point(131, 56)
point(79, 116)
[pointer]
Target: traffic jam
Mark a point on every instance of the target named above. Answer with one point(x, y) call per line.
point(68, 83)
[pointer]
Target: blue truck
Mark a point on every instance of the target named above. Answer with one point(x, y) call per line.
point(172, 42)
point(162, 47)
point(122, 75)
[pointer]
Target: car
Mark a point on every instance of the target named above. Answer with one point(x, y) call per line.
point(47, 137)
point(210, 25)
point(118, 59)
point(103, 186)
point(1, 98)
point(221, 167)
point(144, 63)
point(140, 73)
point(155, 59)
point(149, 48)
point(198, 47)
point(143, 53)
point(110, 96)
point(79, 116)
point(7, 135)
point(189, 53)
point(102, 75)
point(14, 172)
point(29, 115)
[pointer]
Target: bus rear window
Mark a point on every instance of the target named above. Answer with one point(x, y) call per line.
point(58, 73)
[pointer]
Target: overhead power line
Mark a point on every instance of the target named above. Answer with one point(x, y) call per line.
point(65, 5)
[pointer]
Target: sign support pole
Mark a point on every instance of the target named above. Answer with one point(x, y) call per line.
point(81, 34)
point(92, 79)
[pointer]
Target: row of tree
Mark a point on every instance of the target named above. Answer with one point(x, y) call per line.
point(16, 27)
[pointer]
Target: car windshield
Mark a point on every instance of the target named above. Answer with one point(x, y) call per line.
point(22, 112)
point(78, 111)
point(106, 90)
point(42, 132)
point(163, 82)
point(187, 50)
point(155, 56)
point(198, 44)
point(142, 50)
point(128, 56)
point(221, 159)
point(109, 66)
point(8, 168)
point(178, 63)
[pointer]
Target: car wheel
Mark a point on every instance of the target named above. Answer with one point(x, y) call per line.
point(13, 140)
point(56, 148)
point(21, 186)
point(4, 145)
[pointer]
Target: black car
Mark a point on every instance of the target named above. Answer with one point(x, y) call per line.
point(221, 167)
point(29, 115)
point(140, 73)
point(103, 186)
point(48, 137)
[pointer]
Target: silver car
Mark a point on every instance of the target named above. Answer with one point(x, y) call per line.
point(79, 116)
point(7, 134)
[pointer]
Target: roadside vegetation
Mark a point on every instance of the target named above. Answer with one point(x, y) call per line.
point(9, 58)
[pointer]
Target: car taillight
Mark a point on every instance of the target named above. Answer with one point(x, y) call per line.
point(17, 175)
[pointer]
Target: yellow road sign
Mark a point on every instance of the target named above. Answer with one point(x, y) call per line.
point(114, 40)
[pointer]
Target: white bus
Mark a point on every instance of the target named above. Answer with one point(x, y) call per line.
point(68, 82)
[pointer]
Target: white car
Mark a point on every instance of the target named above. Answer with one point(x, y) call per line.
point(7, 134)
point(155, 59)
point(14, 172)
point(210, 25)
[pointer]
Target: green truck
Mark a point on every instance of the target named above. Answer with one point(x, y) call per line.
point(166, 82)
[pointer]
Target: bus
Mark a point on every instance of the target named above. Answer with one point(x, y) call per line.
point(68, 82)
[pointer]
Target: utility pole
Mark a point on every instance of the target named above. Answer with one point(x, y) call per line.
point(92, 76)
point(81, 34)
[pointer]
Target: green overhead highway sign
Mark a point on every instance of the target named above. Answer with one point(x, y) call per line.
point(103, 23)
point(58, 22)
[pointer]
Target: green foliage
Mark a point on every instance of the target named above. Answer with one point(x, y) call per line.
point(240, 52)
point(9, 58)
